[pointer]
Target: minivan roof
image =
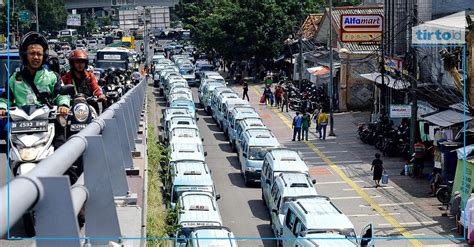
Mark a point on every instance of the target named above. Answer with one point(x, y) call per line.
point(214, 236)
point(321, 214)
point(287, 160)
point(199, 208)
point(261, 137)
point(295, 184)
point(192, 172)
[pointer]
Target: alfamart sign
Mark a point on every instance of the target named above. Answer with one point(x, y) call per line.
point(361, 28)
point(449, 30)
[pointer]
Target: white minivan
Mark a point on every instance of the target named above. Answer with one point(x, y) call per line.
point(279, 161)
point(317, 217)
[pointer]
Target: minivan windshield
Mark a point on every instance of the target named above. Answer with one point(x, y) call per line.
point(258, 153)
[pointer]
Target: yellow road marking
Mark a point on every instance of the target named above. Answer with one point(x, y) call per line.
point(351, 183)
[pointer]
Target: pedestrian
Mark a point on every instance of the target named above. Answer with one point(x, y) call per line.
point(246, 90)
point(278, 95)
point(436, 181)
point(305, 125)
point(267, 92)
point(297, 122)
point(418, 158)
point(284, 100)
point(323, 123)
point(315, 118)
point(377, 167)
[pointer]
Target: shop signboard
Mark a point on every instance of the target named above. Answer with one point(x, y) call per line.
point(400, 111)
point(361, 28)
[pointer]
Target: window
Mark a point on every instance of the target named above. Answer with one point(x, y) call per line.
point(274, 189)
point(277, 197)
point(290, 219)
point(299, 227)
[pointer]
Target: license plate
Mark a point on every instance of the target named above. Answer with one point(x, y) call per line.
point(78, 127)
point(29, 126)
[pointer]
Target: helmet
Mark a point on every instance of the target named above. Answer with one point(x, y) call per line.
point(33, 38)
point(53, 62)
point(78, 54)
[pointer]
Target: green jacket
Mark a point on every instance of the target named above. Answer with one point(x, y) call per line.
point(22, 94)
point(306, 121)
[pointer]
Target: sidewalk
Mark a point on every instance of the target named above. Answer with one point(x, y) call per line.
point(341, 166)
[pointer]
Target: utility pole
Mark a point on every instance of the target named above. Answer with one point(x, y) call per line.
point(414, 102)
point(300, 42)
point(331, 79)
point(37, 17)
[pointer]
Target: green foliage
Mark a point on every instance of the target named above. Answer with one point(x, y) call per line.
point(242, 29)
point(52, 15)
point(157, 215)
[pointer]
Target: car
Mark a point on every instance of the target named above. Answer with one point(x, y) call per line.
point(179, 89)
point(186, 151)
point(317, 217)
point(214, 96)
point(196, 209)
point(205, 95)
point(185, 135)
point(252, 149)
point(218, 105)
point(189, 176)
point(81, 46)
point(183, 102)
point(187, 71)
point(237, 114)
point(175, 122)
point(245, 124)
point(212, 236)
point(227, 106)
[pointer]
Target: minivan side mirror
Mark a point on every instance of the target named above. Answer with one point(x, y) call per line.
point(268, 181)
point(244, 155)
point(202, 139)
point(313, 181)
point(205, 153)
point(218, 196)
point(274, 211)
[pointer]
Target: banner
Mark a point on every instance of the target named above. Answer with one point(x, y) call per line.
point(73, 20)
point(464, 187)
point(447, 30)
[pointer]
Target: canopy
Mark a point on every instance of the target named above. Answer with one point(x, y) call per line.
point(319, 70)
point(446, 118)
point(389, 81)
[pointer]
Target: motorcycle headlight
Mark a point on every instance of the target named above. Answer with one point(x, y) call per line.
point(29, 154)
point(119, 90)
point(81, 112)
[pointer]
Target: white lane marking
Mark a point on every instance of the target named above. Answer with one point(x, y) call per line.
point(368, 215)
point(338, 182)
point(352, 197)
point(389, 204)
point(330, 152)
point(413, 223)
point(371, 188)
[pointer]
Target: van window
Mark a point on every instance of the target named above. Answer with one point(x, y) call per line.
point(290, 219)
point(274, 189)
point(298, 227)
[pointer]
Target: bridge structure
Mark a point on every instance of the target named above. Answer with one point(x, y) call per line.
point(85, 4)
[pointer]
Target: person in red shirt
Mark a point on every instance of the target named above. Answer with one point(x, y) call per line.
point(84, 82)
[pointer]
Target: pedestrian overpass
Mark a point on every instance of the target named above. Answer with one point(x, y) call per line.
point(85, 4)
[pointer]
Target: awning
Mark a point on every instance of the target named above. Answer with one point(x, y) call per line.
point(319, 70)
point(389, 81)
point(446, 118)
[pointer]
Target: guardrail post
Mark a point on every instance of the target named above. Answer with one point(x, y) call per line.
point(54, 214)
point(133, 108)
point(118, 178)
point(102, 223)
point(124, 137)
point(129, 122)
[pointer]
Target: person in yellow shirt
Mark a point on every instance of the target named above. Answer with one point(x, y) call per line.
point(323, 120)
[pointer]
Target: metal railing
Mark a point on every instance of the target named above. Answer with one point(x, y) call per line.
point(106, 147)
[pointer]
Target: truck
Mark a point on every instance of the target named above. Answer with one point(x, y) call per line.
point(128, 42)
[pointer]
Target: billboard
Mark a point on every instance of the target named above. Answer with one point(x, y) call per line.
point(448, 30)
point(400, 111)
point(361, 28)
point(73, 20)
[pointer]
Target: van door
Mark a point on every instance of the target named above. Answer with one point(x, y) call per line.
point(265, 181)
point(288, 228)
point(243, 155)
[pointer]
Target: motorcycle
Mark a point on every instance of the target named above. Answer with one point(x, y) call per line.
point(32, 132)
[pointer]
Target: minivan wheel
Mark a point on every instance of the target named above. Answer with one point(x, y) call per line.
point(279, 243)
point(247, 182)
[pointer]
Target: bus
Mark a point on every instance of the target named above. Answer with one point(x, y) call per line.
point(117, 57)
point(128, 42)
point(68, 35)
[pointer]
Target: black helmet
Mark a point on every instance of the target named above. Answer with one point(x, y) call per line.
point(33, 38)
point(53, 62)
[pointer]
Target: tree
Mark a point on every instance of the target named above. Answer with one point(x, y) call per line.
point(52, 15)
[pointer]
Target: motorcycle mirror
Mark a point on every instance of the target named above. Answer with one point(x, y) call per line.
point(67, 90)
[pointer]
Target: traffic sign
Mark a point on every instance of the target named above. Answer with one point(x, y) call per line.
point(33, 19)
point(24, 15)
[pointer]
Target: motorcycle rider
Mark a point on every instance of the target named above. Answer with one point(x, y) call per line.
point(26, 87)
point(84, 81)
